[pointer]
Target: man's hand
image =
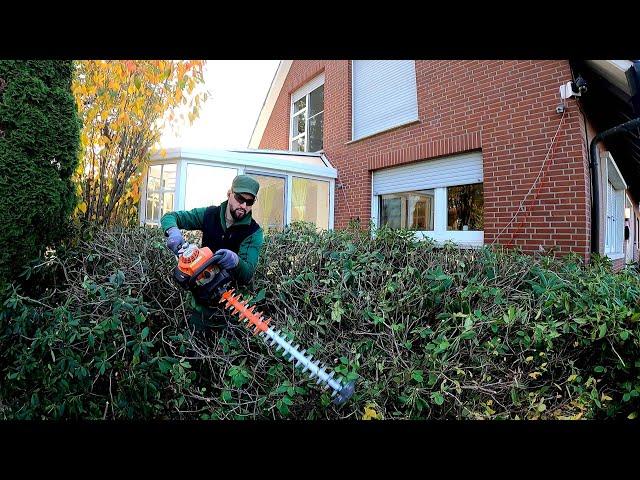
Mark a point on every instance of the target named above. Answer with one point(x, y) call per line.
point(174, 239)
point(226, 258)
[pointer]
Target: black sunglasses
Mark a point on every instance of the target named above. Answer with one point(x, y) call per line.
point(240, 199)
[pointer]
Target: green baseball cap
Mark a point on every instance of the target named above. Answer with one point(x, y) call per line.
point(245, 184)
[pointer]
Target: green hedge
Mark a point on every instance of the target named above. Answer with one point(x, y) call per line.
point(429, 333)
point(38, 153)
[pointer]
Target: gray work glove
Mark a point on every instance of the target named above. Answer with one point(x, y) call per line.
point(226, 258)
point(174, 239)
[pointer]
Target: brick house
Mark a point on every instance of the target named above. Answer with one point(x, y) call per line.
point(477, 152)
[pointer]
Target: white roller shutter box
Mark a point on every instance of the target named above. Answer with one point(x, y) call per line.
point(443, 172)
point(384, 95)
point(308, 87)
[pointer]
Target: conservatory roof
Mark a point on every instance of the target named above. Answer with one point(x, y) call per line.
point(278, 160)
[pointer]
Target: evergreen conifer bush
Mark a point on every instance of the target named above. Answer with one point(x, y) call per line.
point(39, 142)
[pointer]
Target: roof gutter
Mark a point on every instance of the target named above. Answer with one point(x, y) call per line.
point(633, 79)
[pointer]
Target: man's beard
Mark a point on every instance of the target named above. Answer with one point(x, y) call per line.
point(236, 216)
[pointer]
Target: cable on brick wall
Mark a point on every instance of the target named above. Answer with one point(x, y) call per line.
point(535, 185)
point(341, 187)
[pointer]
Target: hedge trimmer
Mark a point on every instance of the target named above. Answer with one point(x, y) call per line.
point(197, 271)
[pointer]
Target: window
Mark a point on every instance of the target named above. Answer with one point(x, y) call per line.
point(307, 117)
point(465, 207)
point(207, 185)
point(441, 198)
point(310, 201)
point(461, 206)
point(268, 211)
point(384, 95)
point(161, 188)
point(614, 231)
point(614, 211)
point(410, 210)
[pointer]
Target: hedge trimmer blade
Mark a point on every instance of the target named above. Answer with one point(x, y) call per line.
point(197, 271)
point(341, 392)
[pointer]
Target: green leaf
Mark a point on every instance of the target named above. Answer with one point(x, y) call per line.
point(259, 296)
point(351, 376)
point(602, 331)
point(468, 334)
point(437, 398)
point(164, 366)
point(598, 369)
point(145, 332)
point(336, 311)
point(417, 376)
point(117, 279)
point(376, 319)
point(226, 396)
point(283, 408)
point(468, 323)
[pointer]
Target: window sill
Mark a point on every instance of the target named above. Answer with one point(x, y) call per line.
point(463, 239)
point(411, 122)
point(615, 256)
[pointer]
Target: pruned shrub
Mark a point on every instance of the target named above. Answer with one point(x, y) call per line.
point(429, 333)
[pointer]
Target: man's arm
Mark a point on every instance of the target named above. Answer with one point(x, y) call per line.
point(248, 255)
point(183, 219)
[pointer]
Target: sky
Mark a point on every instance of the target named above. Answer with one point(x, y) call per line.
point(237, 90)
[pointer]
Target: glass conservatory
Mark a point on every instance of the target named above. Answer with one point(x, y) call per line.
point(294, 186)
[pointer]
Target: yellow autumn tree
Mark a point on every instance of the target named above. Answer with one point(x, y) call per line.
point(124, 106)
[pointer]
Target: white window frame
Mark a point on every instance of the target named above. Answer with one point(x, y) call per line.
point(440, 234)
point(183, 176)
point(160, 191)
point(614, 210)
point(281, 176)
point(403, 203)
point(305, 91)
point(331, 183)
point(288, 188)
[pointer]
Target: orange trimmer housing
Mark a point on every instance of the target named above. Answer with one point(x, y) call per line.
point(192, 260)
point(198, 272)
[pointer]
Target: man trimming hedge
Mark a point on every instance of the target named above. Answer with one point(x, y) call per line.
point(228, 230)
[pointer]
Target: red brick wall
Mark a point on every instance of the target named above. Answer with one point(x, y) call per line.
point(504, 108)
